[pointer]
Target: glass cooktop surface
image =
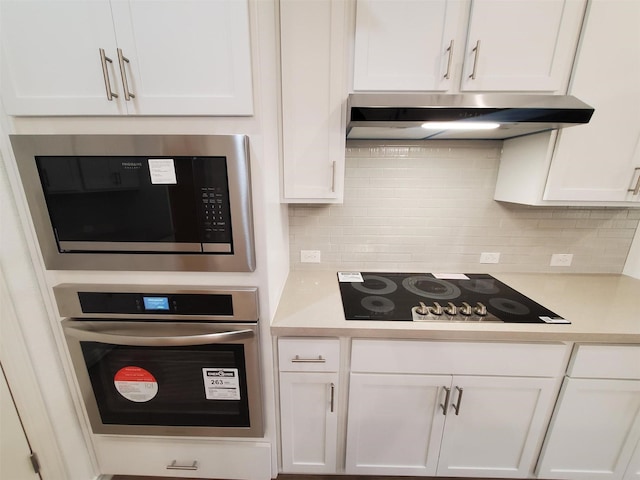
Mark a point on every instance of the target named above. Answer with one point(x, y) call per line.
point(437, 297)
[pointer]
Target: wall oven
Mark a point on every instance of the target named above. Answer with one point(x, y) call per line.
point(156, 360)
point(143, 202)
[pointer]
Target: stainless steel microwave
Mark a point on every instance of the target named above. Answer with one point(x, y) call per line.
point(139, 202)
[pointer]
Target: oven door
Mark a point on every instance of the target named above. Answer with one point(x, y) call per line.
point(168, 378)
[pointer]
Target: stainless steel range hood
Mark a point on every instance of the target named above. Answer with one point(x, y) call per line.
point(400, 116)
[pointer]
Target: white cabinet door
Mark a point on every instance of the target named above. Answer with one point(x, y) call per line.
point(313, 69)
point(308, 419)
point(186, 57)
point(395, 423)
point(408, 45)
point(521, 44)
point(51, 62)
point(162, 57)
point(601, 161)
point(594, 430)
point(494, 426)
point(633, 470)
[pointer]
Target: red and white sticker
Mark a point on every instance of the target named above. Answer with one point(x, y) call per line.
point(136, 384)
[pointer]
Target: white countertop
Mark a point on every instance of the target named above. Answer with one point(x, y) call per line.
point(601, 308)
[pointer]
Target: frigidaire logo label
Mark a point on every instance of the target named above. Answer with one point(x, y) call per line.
point(220, 373)
point(132, 164)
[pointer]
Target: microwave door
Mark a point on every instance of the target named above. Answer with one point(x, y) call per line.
point(116, 204)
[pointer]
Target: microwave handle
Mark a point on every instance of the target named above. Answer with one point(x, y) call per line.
point(86, 333)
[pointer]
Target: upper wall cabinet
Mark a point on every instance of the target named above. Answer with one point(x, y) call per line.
point(313, 46)
point(454, 45)
point(598, 163)
point(100, 57)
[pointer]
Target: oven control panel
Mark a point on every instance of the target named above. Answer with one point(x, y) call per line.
point(137, 303)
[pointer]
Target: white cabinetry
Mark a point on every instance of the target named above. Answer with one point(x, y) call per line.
point(308, 404)
point(63, 57)
point(598, 163)
point(313, 46)
point(449, 408)
point(596, 425)
point(488, 45)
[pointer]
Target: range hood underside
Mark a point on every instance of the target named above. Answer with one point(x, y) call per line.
point(400, 116)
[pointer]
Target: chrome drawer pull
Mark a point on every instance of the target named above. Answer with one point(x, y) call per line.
point(174, 466)
point(476, 49)
point(447, 75)
point(105, 74)
point(445, 405)
point(297, 359)
point(333, 396)
point(456, 407)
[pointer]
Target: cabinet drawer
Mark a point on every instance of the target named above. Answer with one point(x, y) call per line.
point(308, 354)
point(459, 358)
point(151, 456)
point(606, 361)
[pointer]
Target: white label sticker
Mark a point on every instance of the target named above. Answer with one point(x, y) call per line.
point(350, 277)
point(450, 276)
point(162, 171)
point(221, 383)
point(135, 384)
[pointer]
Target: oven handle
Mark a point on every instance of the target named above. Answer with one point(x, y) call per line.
point(89, 334)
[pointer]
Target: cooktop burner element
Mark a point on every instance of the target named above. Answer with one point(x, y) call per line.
point(426, 297)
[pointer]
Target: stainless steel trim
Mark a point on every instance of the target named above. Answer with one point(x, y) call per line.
point(216, 247)
point(252, 362)
point(297, 359)
point(475, 49)
point(130, 247)
point(139, 334)
point(445, 405)
point(244, 300)
point(456, 407)
point(105, 74)
point(125, 84)
point(174, 466)
point(333, 391)
point(234, 147)
point(447, 75)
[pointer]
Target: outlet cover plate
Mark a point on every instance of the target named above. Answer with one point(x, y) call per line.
point(310, 256)
point(490, 257)
point(561, 259)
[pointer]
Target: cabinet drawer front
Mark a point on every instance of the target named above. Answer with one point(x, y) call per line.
point(606, 361)
point(143, 456)
point(466, 358)
point(308, 354)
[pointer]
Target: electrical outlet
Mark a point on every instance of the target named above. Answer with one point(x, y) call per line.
point(561, 259)
point(310, 256)
point(490, 257)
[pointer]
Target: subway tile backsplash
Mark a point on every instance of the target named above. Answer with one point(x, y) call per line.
point(429, 207)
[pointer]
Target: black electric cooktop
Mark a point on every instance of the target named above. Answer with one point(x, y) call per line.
point(437, 297)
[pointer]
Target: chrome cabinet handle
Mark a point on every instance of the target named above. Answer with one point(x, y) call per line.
point(134, 334)
point(333, 177)
point(297, 359)
point(174, 466)
point(475, 60)
point(333, 392)
point(636, 190)
point(447, 75)
point(445, 405)
point(105, 74)
point(125, 84)
point(456, 407)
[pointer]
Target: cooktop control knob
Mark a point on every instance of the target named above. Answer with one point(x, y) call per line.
point(466, 309)
point(436, 309)
point(480, 310)
point(422, 309)
point(451, 309)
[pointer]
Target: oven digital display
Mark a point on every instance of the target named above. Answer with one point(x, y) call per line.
point(156, 303)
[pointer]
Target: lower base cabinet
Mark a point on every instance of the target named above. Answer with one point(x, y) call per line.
point(446, 425)
point(308, 404)
point(451, 409)
point(595, 430)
